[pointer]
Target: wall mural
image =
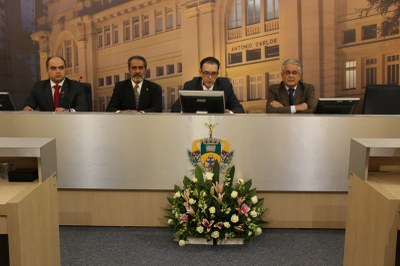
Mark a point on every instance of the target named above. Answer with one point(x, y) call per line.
point(343, 45)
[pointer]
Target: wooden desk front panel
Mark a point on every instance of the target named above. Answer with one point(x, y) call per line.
point(372, 220)
point(32, 226)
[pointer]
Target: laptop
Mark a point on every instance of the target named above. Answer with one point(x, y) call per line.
point(6, 103)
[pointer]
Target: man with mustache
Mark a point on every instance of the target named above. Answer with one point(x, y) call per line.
point(136, 94)
point(58, 93)
point(291, 95)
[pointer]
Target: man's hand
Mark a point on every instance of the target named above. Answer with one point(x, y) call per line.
point(27, 108)
point(301, 107)
point(276, 104)
point(60, 109)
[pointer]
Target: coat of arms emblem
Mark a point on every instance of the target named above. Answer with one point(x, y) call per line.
point(207, 151)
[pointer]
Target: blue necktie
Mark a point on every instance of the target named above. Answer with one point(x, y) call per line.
point(291, 96)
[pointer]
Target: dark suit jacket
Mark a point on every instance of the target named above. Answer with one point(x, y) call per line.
point(71, 96)
point(304, 93)
point(221, 84)
point(123, 97)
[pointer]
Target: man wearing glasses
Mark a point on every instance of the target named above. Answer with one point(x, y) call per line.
point(209, 80)
point(291, 95)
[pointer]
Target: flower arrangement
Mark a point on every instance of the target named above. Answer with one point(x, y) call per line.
point(206, 208)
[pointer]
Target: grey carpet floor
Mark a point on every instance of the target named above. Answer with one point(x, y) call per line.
point(155, 246)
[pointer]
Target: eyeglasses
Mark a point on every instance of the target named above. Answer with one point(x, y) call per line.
point(288, 72)
point(207, 74)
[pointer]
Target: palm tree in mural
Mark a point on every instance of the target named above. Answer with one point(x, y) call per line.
point(389, 9)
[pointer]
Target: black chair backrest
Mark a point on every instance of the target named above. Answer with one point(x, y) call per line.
point(382, 99)
point(88, 93)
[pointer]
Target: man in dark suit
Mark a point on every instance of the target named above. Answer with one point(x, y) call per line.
point(136, 94)
point(291, 95)
point(57, 93)
point(209, 80)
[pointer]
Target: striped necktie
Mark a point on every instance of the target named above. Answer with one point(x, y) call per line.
point(137, 96)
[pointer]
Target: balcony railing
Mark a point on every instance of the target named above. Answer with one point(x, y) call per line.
point(235, 33)
point(253, 29)
point(271, 25)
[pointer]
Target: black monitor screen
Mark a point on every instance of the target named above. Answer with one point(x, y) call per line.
point(202, 102)
point(336, 105)
point(382, 99)
point(6, 103)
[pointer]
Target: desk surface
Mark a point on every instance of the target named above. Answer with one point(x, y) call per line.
point(387, 183)
point(278, 152)
point(8, 191)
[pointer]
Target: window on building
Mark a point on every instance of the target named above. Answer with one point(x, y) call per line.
point(169, 18)
point(99, 38)
point(159, 21)
point(68, 53)
point(127, 30)
point(271, 51)
point(101, 82)
point(252, 55)
point(351, 81)
point(349, 36)
point(172, 97)
point(253, 11)
point(393, 70)
point(179, 67)
point(115, 33)
point(255, 87)
point(108, 80)
point(102, 104)
point(107, 36)
point(170, 69)
point(235, 14)
point(238, 87)
point(178, 17)
point(116, 78)
point(135, 27)
point(271, 9)
point(163, 98)
point(370, 71)
point(235, 58)
point(369, 32)
point(146, 25)
point(159, 71)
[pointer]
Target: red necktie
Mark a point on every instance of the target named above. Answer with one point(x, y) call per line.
point(56, 96)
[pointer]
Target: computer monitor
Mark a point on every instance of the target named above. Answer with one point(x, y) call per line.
point(336, 105)
point(382, 99)
point(202, 102)
point(6, 103)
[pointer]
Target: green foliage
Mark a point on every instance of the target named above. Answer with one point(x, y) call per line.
point(389, 10)
point(205, 207)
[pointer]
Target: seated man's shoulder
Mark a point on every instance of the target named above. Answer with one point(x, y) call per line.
point(274, 87)
point(224, 79)
point(306, 85)
point(152, 84)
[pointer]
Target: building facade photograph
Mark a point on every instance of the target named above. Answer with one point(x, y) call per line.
point(342, 48)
